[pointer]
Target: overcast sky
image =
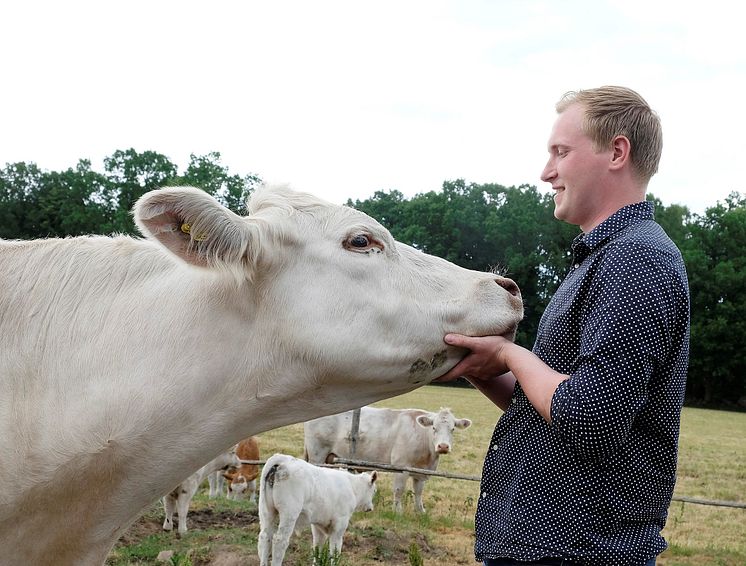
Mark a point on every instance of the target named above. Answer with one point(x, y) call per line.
point(345, 98)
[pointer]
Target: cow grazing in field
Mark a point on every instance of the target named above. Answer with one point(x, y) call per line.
point(239, 478)
point(407, 438)
point(180, 497)
point(295, 494)
point(243, 478)
point(224, 324)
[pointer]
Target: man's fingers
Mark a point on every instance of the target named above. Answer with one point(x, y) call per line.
point(457, 340)
point(453, 373)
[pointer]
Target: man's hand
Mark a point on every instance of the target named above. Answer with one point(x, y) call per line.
point(485, 360)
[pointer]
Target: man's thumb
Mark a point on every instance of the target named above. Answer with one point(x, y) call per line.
point(453, 339)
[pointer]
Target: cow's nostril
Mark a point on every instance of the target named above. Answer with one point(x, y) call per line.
point(509, 285)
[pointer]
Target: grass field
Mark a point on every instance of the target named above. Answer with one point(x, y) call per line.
point(712, 465)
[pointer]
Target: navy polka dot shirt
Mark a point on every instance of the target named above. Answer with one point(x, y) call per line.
point(594, 486)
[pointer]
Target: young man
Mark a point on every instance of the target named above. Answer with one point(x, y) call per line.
point(582, 465)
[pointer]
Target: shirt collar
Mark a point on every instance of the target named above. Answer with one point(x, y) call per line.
point(584, 244)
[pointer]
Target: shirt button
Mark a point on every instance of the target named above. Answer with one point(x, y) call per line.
point(576, 265)
point(494, 446)
point(484, 494)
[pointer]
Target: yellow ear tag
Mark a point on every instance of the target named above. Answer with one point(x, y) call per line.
point(187, 229)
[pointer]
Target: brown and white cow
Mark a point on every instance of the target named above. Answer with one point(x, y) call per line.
point(405, 438)
point(226, 325)
point(242, 479)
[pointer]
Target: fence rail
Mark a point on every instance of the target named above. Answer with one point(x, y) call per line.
point(364, 465)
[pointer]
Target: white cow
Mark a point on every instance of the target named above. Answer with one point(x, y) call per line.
point(407, 438)
point(226, 325)
point(180, 497)
point(294, 494)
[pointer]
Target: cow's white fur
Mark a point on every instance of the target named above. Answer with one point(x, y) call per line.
point(179, 498)
point(406, 438)
point(294, 494)
point(226, 325)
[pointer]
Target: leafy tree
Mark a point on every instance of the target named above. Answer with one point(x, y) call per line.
point(554, 249)
point(389, 208)
point(18, 183)
point(38, 204)
point(674, 219)
point(131, 175)
point(207, 173)
point(70, 203)
point(715, 256)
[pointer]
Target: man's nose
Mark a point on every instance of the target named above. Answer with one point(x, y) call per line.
point(549, 172)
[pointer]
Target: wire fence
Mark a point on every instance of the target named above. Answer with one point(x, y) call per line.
point(364, 465)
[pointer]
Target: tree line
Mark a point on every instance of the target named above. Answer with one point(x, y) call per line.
point(510, 230)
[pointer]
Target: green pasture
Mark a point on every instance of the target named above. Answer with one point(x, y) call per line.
point(712, 466)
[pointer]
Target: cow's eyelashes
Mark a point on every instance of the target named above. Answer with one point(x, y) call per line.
point(363, 243)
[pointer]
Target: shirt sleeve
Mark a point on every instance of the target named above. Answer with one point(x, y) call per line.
point(627, 322)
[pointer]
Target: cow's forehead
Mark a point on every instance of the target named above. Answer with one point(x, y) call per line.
point(277, 201)
point(445, 417)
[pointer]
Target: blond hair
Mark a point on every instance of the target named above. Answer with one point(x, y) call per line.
point(612, 111)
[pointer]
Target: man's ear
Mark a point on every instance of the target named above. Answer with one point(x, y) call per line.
point(621, 152)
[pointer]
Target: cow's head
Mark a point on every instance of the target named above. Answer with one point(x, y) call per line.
point(366, 490)
point(238, 484)
point(442, 425)
point(330, 289)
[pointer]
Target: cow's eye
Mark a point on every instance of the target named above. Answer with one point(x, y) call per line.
point(359, 241)
point(363, 243)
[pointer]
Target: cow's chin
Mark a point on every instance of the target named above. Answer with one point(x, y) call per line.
point(510, 333)
point(455, 354)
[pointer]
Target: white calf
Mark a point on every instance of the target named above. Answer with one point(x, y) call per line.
point(300, 493)
point(181, 496)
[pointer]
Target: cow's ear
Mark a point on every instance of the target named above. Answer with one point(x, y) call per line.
point(463, 423)
point(425, 420)
point(193, 226)
point(229, 475)
point(373, 477)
